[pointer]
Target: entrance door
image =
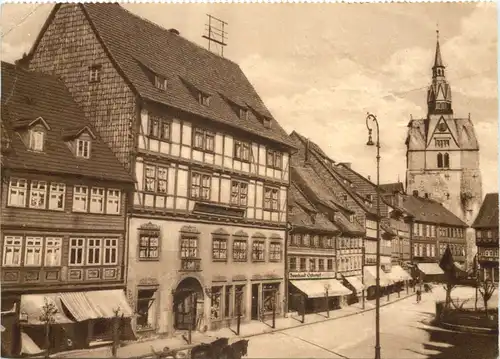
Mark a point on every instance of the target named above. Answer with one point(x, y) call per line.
point(255, 302)
point(185, 311)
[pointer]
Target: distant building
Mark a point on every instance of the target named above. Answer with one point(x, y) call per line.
point(63, 224)
point(486, 227)
point(443, 154)
point(208, 219)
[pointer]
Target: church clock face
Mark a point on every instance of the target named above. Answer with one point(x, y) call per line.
point(442, 127)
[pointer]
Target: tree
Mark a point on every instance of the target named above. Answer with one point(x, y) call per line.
point(486, 288)
point(49, 311)
point(448, 266)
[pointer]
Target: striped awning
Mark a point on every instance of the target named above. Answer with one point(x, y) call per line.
point(106, 302)
point(79, 306)
point(32, 305)
point(356, 282)
point(317, 288)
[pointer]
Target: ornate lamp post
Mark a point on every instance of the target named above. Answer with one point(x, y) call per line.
point(373, 118)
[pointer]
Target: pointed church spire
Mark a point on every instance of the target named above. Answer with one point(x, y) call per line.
point(438, 62)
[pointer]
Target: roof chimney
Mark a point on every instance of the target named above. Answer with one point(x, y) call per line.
point(174, 31)
point(369, 178)
point(415, 193)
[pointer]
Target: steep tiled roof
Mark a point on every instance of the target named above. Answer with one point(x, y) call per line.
point(142, 49)
point(300, 217)
point(50, 100)
point(427, 210)
point(488, 214)
point(392, 187)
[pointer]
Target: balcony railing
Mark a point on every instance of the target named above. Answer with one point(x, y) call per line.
point(190, 264)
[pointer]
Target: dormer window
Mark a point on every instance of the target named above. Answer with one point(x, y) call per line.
point(203, 99)
point(369, 197)
point(160, 83)
point(95, 73)
point(267, 122)
point(82, 148)
point(36, 140)
point(243, 114)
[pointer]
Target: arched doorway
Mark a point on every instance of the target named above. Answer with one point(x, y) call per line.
point(188, 304)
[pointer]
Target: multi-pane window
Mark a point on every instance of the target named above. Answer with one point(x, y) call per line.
point(97, 200)
point(329, 264)
point(82, 148)
point(80, 198)
point(159, 128)
point(203, 99)
point(321, 264)
point(150, 181)
point(315, 241)
point(53, 247)
point(312, 264)
point(148, 245)
point(95, 73)
point(76, 251)
point(239, 193)
point(292, 264)
point(12, 250)
point(38, 194)
point(200, 186)
point(240, 250)
point(258, 250)
point(36, 140)
point(271, 199)
point(18, 189)
point(242, 151)
point(274, 159)
point(145, 309)
point(243, 113)
point(56, 198)
point(219, 249)
point(189, 248)
point(33, 251)
point(215, 303)
point(110, 251)
point(204, 140)
point(478, 234)
point(156, 179)
point(160, 83)
point(113, 201)
point(94, 250)
point(302, 264)
point(275, 251)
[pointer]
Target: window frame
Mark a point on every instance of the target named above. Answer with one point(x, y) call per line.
point(219, 251)
point(38, 191)
point(270, 199)
point(110, 248)
point(274, 159)
point(57, 189)
point(84, 152)
point(161, 82)
point(95, 73)
point(16, 245)
point(161, 134)
point(94, 244)
point(205, 136)
point(239, 193)
point(36, 144)
point(52, 243)
point(275, 255)
point(242, 146)
point(148, 249)
point(97, 196)
point(258, 247)
point(240, 250)
point(37, 246)
point(189, 248)
point(202, 188)
point(19, 189)
point(76, 247)
point(113, 196)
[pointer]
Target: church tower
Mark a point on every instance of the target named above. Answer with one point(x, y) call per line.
point(442, 154)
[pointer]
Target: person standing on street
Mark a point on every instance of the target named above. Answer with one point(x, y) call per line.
point(419, 295)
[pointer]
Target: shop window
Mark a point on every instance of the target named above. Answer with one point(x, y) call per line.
point(228, 300)
point(145, 309)
point(215, 303)
point(270, 294)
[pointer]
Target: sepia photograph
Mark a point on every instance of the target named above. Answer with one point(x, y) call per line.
point(249, 180)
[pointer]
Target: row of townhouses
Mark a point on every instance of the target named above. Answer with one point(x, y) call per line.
point(143, 177)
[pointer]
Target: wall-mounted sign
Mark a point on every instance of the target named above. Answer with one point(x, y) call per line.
point(310, 275)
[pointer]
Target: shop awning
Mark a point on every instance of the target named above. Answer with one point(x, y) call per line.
point(28, 346)
point(370, 273)
point(105, 302)
point(430, 268)
point(398, 274)
point(79, 306)
point(356, 282)
point(32, 304)
point(317, 288)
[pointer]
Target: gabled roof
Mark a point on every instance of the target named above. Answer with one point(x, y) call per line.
point(430, 211)
point(54, 104)
point(138, 47)
point(392, 187)
point(488, 213)
point(300, 218)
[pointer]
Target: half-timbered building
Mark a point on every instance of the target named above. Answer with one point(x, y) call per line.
point(208, 216)
point(63, 224)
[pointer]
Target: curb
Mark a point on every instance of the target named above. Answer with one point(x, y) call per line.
point(300, 325)
point(467, 329)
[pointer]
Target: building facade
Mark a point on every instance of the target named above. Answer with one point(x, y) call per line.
point(63, 225)
point(208, 217)
point(486, 228)
point(443, 154)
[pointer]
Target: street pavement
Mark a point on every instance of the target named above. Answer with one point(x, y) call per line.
point(404, 335)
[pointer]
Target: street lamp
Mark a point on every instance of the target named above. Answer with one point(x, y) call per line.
point(373, 118)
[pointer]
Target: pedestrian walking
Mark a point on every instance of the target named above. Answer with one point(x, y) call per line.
point(419, 295)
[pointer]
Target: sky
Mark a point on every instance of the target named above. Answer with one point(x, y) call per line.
point(320, 68)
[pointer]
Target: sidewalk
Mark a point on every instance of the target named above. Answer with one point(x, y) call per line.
point(249, 329)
